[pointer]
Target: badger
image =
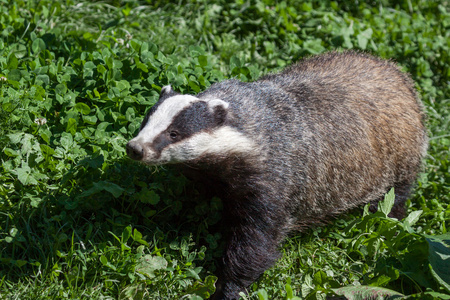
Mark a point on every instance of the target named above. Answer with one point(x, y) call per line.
point(290, 150)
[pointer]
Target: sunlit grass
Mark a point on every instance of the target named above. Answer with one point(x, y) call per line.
point(79, 220)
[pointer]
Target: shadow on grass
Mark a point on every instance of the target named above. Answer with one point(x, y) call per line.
point(70, 231)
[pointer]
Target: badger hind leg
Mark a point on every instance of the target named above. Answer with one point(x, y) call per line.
point(402, 192)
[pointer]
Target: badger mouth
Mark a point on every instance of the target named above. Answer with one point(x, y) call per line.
point(140, 152)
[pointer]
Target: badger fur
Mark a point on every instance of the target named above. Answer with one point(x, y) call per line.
point(290, 150)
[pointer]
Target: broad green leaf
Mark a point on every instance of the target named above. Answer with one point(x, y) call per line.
point(46, 150)
point(133, 292)
point(19, 50)
point(413, 217)
point(347, 32)
point(44, 78)
point(289, 292)
point(93, 162)
point(126, 234)
point(386, 205)
point(148, 264)
point(147, 196)
point(82, 108)
point(25, 177)
point(439, 258)
point(20, 263)
point(235, 62)
point(100, 186)
point(140, 65)
point(123, 85)
point(313, 46)
point(45, 134)
point(13, 232)
point(61, 89)
point(164, 59)
point(434, 295)
point(89, 65)
point(382, 280)
point(137, 235)
point(129, 114)
point(14, 75)
point(92, 120)
point(12, 62)
point(38, 45)
point(364, 37)
point(103, 260)
point(194, 86)
point(192, 274)
point(71, 126)
point(320, 278)
point(113, 188)
point(362, 292)
point(27, 144)
point(66, 140)
point(15, 138)
point(117, 64)
point(93, 190)
point(101, 69)
point(262, 294)
point(203, 60)
point(10, 152)
point(113, 93)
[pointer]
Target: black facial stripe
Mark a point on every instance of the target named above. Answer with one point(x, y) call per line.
point(159, 143)
point(193, 119)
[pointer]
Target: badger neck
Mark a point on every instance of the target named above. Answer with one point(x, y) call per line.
point(231, 170)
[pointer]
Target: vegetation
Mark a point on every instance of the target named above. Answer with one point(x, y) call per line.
point(79, 220)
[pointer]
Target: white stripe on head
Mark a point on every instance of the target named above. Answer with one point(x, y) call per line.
point(163, 116)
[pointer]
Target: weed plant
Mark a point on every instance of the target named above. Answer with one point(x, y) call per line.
point(79, 220)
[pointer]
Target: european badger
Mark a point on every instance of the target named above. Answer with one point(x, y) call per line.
point(290, 150)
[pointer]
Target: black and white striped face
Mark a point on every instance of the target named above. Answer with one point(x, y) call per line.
point(181, 128)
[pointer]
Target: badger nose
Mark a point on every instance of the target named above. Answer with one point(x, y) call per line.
point(135, 150)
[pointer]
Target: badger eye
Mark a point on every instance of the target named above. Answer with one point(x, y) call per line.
point(173, 135)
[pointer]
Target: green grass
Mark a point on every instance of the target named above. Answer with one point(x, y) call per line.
point(79, 220)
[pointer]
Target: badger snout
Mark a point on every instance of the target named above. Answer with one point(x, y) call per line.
point(135, 150)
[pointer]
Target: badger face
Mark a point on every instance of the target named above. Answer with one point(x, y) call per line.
point(181, 128)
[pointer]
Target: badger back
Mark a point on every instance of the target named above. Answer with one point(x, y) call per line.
point(362, 129)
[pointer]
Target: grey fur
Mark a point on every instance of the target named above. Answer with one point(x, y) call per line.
point(331, 133)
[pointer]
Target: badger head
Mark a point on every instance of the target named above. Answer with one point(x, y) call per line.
point(183, 128)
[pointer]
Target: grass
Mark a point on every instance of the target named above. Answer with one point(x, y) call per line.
point(80, 220)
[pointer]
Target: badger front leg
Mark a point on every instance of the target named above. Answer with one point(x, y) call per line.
point(256, 232)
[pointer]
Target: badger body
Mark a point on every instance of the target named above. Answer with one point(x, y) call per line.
point(290, 150)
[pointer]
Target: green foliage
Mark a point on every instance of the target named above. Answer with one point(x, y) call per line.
point(369, 257)
point(80, 220)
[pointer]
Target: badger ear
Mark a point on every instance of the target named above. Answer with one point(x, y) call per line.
point(219, 109)
point(166, 89)
point(166, 92)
